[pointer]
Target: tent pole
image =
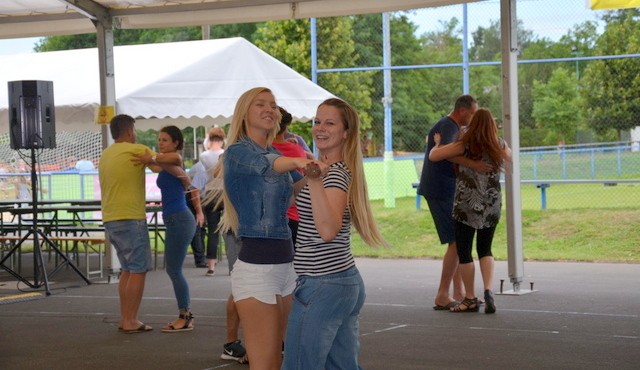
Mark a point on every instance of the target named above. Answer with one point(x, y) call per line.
point(508, 24)
point(104, 34)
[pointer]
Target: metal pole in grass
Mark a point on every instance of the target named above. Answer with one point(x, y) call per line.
point(390, 197)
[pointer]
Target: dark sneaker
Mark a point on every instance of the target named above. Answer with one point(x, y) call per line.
point(210, 273)
point(201, 265)
point(490, 302)
point(234, 351)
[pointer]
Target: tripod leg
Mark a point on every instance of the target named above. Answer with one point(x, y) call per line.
point(39, 266)
point(37, 262)
point(64, 257)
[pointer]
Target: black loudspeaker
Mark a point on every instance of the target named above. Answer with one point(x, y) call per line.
point(32, 123)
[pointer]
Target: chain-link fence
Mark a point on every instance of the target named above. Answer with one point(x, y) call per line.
point(578, 96)
point(577, 75)
point(565, 53)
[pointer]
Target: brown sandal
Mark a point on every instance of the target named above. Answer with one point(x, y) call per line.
point(188, 324)
point(467, 305)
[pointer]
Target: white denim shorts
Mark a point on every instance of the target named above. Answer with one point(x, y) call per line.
point(262, 282)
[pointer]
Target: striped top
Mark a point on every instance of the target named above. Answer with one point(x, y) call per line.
point(315, 257)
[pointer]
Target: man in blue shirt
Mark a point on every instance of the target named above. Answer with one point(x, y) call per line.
point(437, 185)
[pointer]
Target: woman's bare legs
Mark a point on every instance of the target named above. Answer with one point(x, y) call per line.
point(262, 327)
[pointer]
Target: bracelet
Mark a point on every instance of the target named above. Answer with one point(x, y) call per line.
point(153, 159)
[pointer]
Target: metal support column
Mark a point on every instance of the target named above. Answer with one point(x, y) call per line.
point(508, 25)
point(389, 198)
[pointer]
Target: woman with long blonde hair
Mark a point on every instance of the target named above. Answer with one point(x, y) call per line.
point(477, 202)
point(323, 324)
point(258, 187)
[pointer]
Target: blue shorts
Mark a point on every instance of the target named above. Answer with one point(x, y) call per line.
point(130, 238)
point(441, 211)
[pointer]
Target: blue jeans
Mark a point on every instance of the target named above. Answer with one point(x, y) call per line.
point(181, 226)
point(323, 327)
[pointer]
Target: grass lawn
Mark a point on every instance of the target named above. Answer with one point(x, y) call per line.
point(582, 234)
point(556, 234)
point(582, 222)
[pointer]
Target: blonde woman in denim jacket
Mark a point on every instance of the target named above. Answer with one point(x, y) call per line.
point(258, 189)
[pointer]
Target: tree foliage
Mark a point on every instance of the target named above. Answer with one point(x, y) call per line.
point(290, 42)
point(556, 107)
point(145, 36)
point(612, 86)
point(412, 111)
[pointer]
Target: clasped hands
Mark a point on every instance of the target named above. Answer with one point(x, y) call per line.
point(315, 169)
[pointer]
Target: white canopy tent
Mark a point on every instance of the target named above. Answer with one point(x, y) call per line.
point(191, 83)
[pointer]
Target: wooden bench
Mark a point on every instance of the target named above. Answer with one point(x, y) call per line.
point(73, 230)
point(90, 243)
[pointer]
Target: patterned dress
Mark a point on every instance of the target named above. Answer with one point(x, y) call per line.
point(478, 197)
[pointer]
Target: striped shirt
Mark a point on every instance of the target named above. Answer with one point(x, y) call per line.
point(313, 256)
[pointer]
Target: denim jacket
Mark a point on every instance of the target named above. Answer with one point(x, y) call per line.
point(259, 194)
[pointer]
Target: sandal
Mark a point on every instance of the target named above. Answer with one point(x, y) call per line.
point(467, 305)
point(188, 324)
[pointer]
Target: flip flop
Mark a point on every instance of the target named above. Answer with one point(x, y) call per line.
point(140, 329)
point(447, 307)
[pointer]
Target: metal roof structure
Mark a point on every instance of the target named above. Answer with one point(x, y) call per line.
point(28, 18)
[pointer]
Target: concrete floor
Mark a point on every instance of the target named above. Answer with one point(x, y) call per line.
point(581, 316)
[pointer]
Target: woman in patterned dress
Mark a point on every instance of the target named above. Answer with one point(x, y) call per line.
point(477, 203)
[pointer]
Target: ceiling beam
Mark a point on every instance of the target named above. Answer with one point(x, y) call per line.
point(89, 9)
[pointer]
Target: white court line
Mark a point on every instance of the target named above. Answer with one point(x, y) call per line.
point(511, 330)
point(550, 332)
point(517, 310)
point(219, 366)
point(516, 330)
point(385, 329)
point(383, 305)
point(575, 313)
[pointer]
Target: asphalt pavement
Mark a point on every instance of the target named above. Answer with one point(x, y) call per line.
point(579, 316)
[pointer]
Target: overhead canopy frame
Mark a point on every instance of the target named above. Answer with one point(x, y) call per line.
point(27, 18)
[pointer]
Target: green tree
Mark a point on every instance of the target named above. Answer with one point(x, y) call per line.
point(412, 113)
point(611, 87)
point(290, 42)
point(146, 36)
point(487, 45)
point(120, 37)
point(66, 42)
point(443, 46)
point(245, 30)
point(556, 107)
